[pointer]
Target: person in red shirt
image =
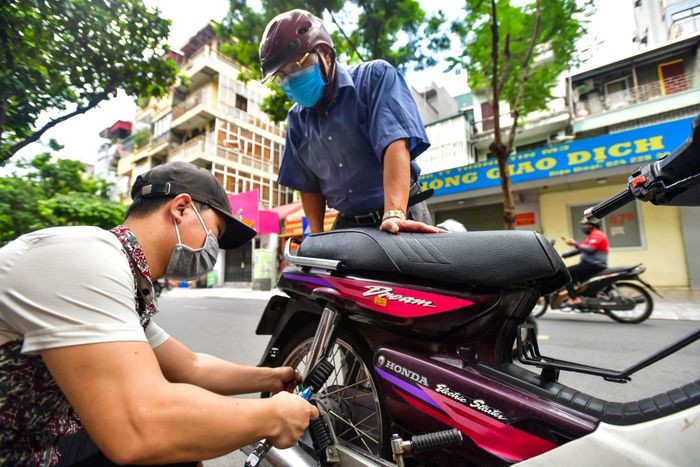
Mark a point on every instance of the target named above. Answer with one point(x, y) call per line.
point(594, 257)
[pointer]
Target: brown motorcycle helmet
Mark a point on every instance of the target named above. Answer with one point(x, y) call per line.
point(288, 36)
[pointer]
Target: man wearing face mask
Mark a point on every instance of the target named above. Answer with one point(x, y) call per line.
point(86, 375)
point(353, 135)
point(594, 257)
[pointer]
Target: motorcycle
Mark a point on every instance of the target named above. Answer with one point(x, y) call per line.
point(419, 330)
point(611, 292)
point(159, 285)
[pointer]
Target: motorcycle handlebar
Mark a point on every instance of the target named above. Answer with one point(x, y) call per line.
point(605, 207)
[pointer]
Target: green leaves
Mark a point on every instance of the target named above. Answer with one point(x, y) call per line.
point(45, 193)
point(554, 51)
point(70, 55)
point(397, 31)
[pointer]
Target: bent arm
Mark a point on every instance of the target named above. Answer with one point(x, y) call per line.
point(134, 415)
point(180, 365)
point(397, 176)
point(570, 253)
point(397, 184)
point(314, 205)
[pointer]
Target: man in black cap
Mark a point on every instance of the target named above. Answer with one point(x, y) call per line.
point(86, 375)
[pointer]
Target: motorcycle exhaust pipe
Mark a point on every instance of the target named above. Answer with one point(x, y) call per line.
point(294, 456)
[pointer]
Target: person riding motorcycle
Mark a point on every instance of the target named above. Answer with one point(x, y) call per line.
point(594, 257)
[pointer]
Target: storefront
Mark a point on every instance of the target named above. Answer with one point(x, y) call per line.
point(554, 185)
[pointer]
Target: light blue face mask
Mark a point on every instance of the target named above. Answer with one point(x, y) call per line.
point(305, 86)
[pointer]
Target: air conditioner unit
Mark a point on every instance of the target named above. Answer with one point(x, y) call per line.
point(561, 137)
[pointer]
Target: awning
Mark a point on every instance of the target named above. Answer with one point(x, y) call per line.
point(295, 223)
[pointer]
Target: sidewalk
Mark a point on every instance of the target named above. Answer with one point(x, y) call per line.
point(676, 304)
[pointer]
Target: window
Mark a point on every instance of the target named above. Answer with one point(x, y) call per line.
point(241, 103)
point(623, 226)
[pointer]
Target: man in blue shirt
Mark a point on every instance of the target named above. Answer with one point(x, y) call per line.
point(353, 135)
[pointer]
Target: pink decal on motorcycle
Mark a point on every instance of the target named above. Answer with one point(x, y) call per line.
point(491, 435)
point(396, 301)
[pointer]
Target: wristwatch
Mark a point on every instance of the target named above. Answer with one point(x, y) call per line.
point(394, 214)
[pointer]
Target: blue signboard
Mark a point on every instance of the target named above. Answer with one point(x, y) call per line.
point(633, 147)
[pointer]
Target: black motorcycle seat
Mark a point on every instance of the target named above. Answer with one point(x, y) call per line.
point(615, 270)
point(490, 258)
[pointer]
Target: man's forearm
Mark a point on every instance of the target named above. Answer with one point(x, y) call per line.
point(177, 418)
point(314, 205)
point(397, 176)
point(227, 378)
point(135, 416)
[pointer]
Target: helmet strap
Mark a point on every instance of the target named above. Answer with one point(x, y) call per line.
point(329, 89)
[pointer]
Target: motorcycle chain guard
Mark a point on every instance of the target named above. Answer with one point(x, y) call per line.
point(529, 353)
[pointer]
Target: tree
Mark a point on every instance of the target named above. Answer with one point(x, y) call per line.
point(516, 54)
point(68, 56)
point(46, 193)
point(397, 31)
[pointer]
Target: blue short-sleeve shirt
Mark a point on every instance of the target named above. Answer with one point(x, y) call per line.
point(340, 153)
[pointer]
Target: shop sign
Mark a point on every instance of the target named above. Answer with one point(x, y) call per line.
point(633, 147)
point(525, 218)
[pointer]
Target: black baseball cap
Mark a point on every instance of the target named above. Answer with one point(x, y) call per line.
point(175, 178)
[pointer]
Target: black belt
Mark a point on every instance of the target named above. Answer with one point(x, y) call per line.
point(374, 217)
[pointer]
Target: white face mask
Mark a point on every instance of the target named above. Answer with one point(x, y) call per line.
point(188, 263)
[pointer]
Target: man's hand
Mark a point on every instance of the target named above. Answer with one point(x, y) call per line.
point(293, 414)
point(396, 225)
point(286, 378)
point(570, 242)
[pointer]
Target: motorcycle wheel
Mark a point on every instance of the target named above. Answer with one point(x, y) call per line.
point(540, 307)
point(642, 309)
point(351, 395)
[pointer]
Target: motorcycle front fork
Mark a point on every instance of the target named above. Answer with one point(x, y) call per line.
point(324, 338)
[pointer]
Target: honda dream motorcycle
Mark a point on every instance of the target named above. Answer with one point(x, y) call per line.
point(420, 332)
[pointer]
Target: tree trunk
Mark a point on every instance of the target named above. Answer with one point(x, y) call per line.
point(497, 147)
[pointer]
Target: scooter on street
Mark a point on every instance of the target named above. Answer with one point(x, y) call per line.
point(420, 328)
point(618, 292)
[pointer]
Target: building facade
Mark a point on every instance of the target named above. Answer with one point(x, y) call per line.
point(614, 118)
point(213, 120)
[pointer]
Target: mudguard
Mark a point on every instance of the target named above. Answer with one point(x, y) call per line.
point(282, 315)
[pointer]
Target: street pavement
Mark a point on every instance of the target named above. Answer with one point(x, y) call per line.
point(674, 304)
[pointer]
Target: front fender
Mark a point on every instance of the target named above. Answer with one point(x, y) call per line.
point(283, 315)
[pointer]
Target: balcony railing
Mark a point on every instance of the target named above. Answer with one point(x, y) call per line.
point(200, 96)
point(556, 111)
point(193, 146)
point(231, 110)
point(198, 145)
point(239, 157)
point(594, 103)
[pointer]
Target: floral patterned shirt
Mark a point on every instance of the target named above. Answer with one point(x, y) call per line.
point(33, 411)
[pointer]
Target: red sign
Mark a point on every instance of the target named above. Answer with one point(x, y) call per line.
point(525, 218)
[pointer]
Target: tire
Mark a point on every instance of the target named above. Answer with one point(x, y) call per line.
point(540, 307)
point(641, 311)
point(351, 396)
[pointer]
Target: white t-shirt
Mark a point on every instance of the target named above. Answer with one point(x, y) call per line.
point(66, 286)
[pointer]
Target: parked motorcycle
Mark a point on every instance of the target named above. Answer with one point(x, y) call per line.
point(159, 285)
point(616, 292)
point(420, 329)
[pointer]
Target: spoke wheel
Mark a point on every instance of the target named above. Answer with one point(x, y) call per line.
point(643, 307)
point(350, 396)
